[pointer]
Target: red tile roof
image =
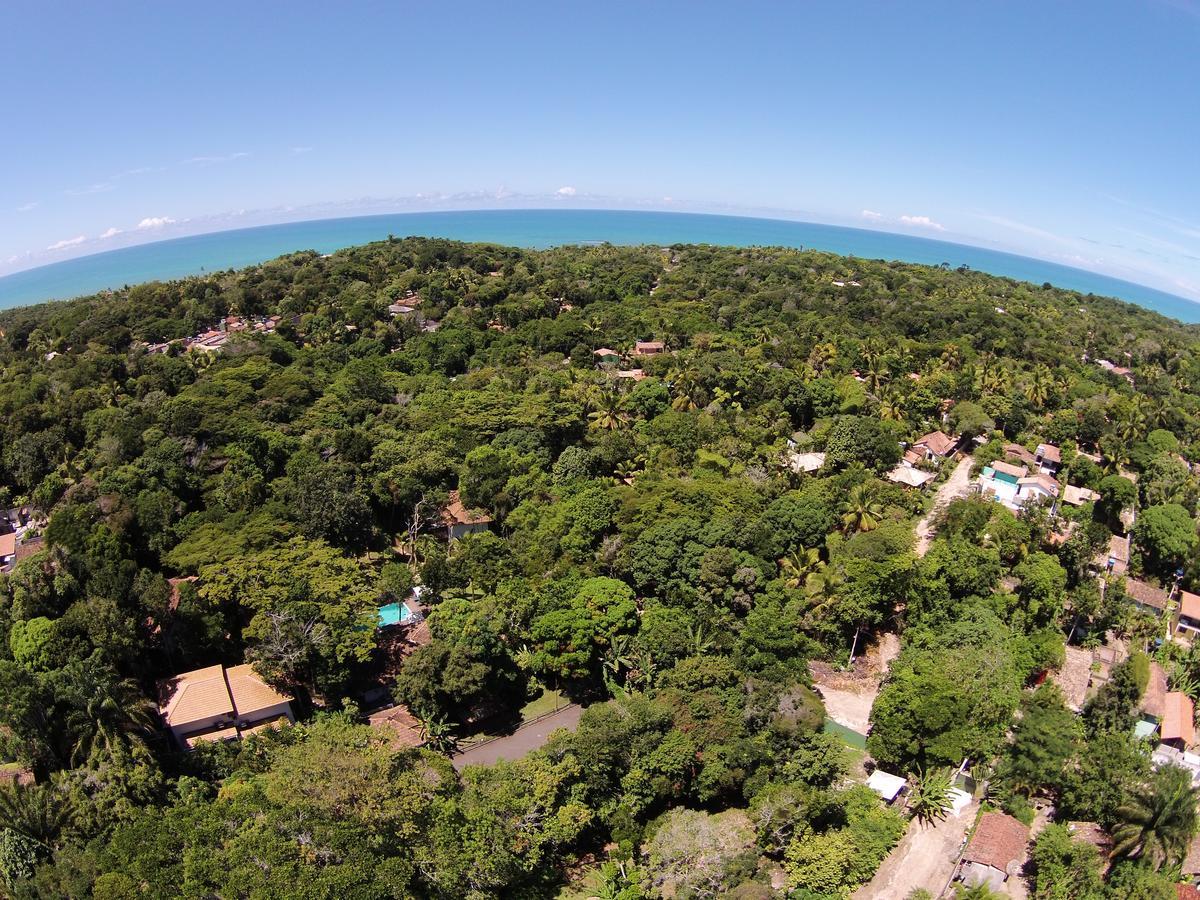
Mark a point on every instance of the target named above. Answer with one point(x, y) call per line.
point(1050, 453)
point(938, 442)
point(456, 513)
point(1189, 605)
point(999, 841)
point(8, 544)
point(1178, 722)
point(1154, 698)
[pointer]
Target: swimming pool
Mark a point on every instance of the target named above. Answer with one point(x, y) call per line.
point(393, 614)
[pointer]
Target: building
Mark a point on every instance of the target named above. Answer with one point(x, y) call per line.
point(1034, 488)
point(909, 476)
point(1091, 833)
point(219, 704)
point(648, 348)
point(1074, 677)
point(1178, 729)
point(1153, 703)
point(886, 785)
point(1048, 458)
point(8, 550)
point(935, 446)
point(1001, 482)
point(401, 726)
point(1116, 561)
point(1147, 597)
point(996, 851)
point(1189, 615)
point(633, 374)
point(805, 462)
point(1017, 452)
point(460, 521)
point(606, 356)
point(1191, 866)
point(1077, 496)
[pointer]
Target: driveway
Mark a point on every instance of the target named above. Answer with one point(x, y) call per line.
point(924, 858)
point(956, 486)
point(524, 740)
point(849, 695)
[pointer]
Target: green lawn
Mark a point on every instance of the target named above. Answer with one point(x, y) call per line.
point(547, 703)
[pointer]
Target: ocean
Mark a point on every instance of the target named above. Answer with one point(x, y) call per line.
point(540, 228)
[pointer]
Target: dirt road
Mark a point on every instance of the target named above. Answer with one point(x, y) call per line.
point(954, 487)
point(924, 858)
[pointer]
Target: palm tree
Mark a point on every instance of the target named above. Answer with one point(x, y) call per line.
point(1158, 820)
point(862, 510)
point(929, 800)
point(38, 811)
point(822, 587)
point(822, 355)
point(699, 638)
point(438, 734)
point(115, 714)
point(608, 413)
point(798, 565)
point(1037, 389)
point(891, 408)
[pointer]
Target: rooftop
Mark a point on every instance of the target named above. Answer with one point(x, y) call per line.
point(1045, 482)
point(999, 841)
point(1178, 722)
point(1074, 676)
point(1154, 698)
point(455, 513)
point(1189, 605)
point(1077, 496)
point(249, 692)
point(806, 462)
point(8, 544)
point(1049, 452)
point(195, 695)
point(909, 476)
point(1009, 469)
point(1146, 594)
point(938, 442)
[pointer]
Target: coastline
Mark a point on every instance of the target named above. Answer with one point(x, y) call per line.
point(538, 229)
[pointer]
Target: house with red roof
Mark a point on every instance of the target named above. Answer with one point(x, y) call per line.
point(996, 851)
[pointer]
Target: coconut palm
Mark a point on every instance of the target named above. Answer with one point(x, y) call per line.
point(891, 408)
point(823, 586)
point(1158, 819)
point(798, 565)
point(618, 658)
point(862, 510)
point(822, 355)
point(608, 413)
point(1039, 385)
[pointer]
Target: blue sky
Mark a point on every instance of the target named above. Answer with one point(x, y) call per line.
point(1065, 130)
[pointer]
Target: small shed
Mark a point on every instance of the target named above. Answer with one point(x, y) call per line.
point(886, 785)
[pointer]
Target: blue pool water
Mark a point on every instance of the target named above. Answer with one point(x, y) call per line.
point(393, 614)
point(540, 228)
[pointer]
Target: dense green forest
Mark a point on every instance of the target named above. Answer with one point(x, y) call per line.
point(651, 556)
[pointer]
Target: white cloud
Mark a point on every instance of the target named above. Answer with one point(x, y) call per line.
point(98, 188)
point(922, 222)
point(213, 160)
point(298, 150)
point(26, 207)
point(566, 191)
point(155, 222)
point(69, 242)
point(112, 232)
point(872, 215)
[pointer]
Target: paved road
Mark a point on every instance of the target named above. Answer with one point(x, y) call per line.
point(524, 740)
point(957, 485)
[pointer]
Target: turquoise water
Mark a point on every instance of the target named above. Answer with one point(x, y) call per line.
point(393, 614)
point(848, 736)
point(541, 228)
